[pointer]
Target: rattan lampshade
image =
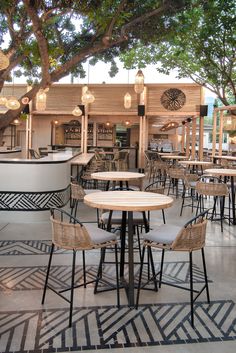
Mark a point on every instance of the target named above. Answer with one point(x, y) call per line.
point(4, 61)
point(139, 82)
point(127, 100)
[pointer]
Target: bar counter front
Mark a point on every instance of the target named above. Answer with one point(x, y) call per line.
point(30, 187)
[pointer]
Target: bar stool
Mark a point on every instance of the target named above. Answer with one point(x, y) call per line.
point(70, 234)
point(213, 187)
point(189, 238)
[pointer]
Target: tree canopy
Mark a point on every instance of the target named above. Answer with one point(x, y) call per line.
point(200, 44)
point(49, 39)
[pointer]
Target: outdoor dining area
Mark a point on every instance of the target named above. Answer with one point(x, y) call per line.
point(88, 269)
point(117, 176)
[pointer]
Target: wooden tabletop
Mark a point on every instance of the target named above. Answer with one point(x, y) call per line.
point(83, 159)
point(117, 176)
point(173, 157)
point(221, 172)
point(128, 200)
point(196, 162)
point(228, 158)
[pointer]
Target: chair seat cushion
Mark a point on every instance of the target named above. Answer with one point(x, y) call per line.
point(164, 234)
point(98, 235)
point(117, 217)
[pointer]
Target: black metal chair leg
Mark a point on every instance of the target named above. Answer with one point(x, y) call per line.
point(140, 277)
point(72, 287)
point(161, 269)
point(205, 275)
point(84, 268)
point(48, 271)
point(117, 277)
point(183, 199)
point(191, 287)
point(163, 216)
point(99, 273)
point(153, 269)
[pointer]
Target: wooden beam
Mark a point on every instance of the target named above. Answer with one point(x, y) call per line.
point(214, 131)
point(201, 136)
point(183, 139)
point(221, 132)
point(187, 139)
point(194, 130)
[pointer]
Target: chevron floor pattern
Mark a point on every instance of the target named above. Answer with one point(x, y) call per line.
point(160, 325)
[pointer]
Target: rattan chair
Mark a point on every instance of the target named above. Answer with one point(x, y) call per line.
point(77, 195)
point(189, 238)
point(34, 154)
point(176, 175)
point(156, 188)
point(189, 190)
point(70, 234)
point(216, 188)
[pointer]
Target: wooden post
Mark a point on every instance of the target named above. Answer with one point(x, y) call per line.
point(187, 139)
point(183, 139)
point(82, 134)
point(194, 128)
point(201, 135)
point(85, 133)
point(214, 132)
point(221, 132)
point(140, 142)
point(94, 133)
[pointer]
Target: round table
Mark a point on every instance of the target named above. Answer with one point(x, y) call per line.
point(226, 173)
point(196, 164)
point(127, 202)
point(117, 176)
point(173, 157)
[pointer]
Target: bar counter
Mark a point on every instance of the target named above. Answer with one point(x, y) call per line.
point(29, 187)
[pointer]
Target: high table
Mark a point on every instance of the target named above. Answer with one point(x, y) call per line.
point(128, 202)
point(81, 162)
point(196, 164)
point(226, 173)
point(173, 157)
point(117, 176)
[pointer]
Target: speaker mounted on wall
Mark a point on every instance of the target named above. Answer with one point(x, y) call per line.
point(141, 110)
point(26, 109)
point(203, 110)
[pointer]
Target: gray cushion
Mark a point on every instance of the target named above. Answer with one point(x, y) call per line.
point(98, 235)
point(117, 217)
point(164, 234)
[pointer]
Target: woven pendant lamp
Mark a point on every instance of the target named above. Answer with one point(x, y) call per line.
point(4, 61)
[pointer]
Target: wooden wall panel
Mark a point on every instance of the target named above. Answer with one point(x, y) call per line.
point(191, 91)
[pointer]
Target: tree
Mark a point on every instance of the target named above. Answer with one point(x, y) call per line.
point(201, 45)
point(50, 39)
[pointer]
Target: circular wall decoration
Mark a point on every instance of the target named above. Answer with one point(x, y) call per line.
point(173, 99)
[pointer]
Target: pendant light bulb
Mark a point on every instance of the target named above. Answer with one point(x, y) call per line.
point(3, 100)
point(127, 101)
point(12, 103)
point(139, 82)
point(77, 111)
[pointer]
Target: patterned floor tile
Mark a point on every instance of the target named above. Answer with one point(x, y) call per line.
point(108, 327)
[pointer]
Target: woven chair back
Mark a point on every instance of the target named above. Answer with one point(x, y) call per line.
point(191, 238)
point(70, 236)
point(212, 189)
point(188, 178)
point(176, 173)
point(77, 192)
